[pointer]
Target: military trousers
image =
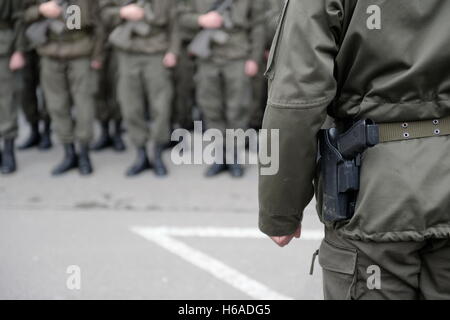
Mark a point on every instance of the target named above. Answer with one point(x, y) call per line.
point(384, 270)
point(33, 107)
point(8, 108)
point(184, 89)
point(224, 94)
point(143, 81)
point(68, 83)
point(107, 104)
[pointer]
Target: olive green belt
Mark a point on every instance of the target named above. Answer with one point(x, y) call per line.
point(414, 130)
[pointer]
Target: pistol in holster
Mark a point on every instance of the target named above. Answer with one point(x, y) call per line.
point(340, 163)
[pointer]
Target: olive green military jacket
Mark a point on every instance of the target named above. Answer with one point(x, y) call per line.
point(164, 36)
point(384, 60)
point(11, 28)
point(86, 42)
point(247, 39)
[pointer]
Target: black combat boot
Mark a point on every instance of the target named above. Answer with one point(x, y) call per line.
point(46, 139)
point(158, 166)
point(8, 157)
point(217, 168)
point(141, 163)
point(69, 162)
point(235, 169)
point(117, 141)
point(84, 161)
point(33, 139)
point(105, 140)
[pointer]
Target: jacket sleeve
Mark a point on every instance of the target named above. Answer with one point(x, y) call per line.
point(19, 26)
point(110, 13)
point(257, 36)
point(99, 32)
point(301, 87)
point(31, 13)
point(188, 16)
point(174, 28)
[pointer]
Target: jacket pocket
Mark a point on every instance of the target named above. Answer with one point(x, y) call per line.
point(339, 271)
point(275, 42)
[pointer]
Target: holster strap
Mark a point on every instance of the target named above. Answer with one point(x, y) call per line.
point(397, 131)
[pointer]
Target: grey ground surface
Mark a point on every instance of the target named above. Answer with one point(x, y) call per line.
point(48, 224)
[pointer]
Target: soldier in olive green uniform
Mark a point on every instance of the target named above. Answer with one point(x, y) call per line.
point(33, 104)
point(145, 58)
point(223, 78)
point(68, 75)
point(382, 60)
point(11, 50)
point(259, 84)
point(108, 108)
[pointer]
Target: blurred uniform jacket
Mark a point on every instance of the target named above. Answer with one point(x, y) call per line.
point(164, 35)
point(86, 42)
point(246, 37)
point(326, 60)
point(11, 29)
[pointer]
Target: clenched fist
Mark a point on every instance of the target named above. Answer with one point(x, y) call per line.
point(285, 240)
point(211, 20)
point(17, 61)
point(50, 9)
point(132, 12)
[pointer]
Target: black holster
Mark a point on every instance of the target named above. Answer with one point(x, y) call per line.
point(340, 163)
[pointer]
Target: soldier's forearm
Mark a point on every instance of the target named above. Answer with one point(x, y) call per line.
point(32, 14)
point(284, 195)
point(190, 21)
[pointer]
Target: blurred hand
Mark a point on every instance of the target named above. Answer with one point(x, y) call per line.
point(96, 64)
point(211, 20)
point(17, 61)
point(132, 12)
point(285, 240)
point(251, 68)
point(170, 60)
point(50, 9)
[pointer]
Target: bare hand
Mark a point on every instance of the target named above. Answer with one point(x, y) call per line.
point(132, 12)
point(170, 60)
point(285, 240)
point(96, 64)
point(211, 20)
point(50, 9)
point(251, 68)
point(17, 61)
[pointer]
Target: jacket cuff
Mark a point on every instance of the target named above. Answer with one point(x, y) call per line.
point(275, 225)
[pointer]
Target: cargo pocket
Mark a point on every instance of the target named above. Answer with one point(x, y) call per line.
point(269, 74)
point(339, 271)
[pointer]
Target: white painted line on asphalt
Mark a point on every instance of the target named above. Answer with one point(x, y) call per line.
point(218, 232)
point(163, 236)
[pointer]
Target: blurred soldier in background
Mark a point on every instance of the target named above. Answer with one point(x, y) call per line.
point(33, 104)
point(11, 59)
point(108, 108)
point(229, 47)
point(269, 20)
point(69, 58)
point(147, 42)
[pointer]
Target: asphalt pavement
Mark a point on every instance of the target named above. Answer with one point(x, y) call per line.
point(112, 237)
